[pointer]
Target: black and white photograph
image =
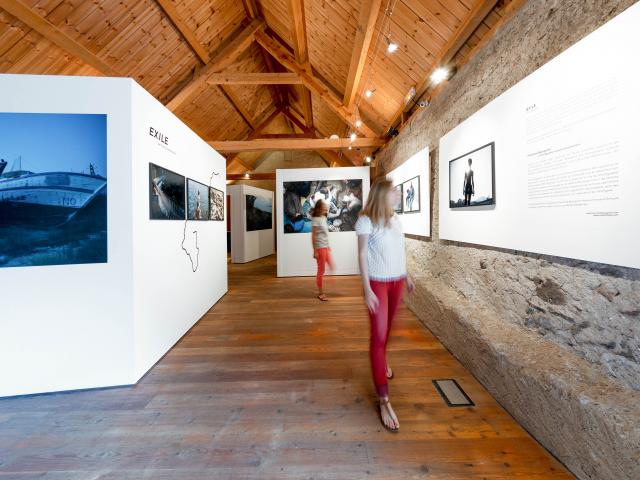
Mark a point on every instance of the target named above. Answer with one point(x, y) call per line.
point(259, 212)
point(471, 178)
point(197, 200)
point(411, 195)
point(53, 189)
point(216, 204)
point(398, 208)
point(343, 197)
point(166, 194)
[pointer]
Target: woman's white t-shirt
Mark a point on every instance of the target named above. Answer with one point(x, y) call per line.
point(385, 253)
point(321, 231)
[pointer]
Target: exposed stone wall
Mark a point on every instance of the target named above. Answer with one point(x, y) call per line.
point(557, 341)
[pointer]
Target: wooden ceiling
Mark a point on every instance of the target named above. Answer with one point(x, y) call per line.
point(259, 71)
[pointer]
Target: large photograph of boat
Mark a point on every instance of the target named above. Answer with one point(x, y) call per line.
point(166, 194)
point(53, 189)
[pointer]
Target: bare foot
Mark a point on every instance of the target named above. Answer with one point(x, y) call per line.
point(388, 416)
point(322, 297)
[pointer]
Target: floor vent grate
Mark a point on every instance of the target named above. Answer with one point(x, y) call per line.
point(452, 393)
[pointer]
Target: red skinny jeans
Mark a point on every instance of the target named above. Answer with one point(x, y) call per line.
point(389, 296)
point(323, 258)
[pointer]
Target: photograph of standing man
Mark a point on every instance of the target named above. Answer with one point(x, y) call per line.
point(468, 187)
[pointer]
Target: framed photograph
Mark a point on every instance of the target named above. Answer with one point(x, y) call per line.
point(472, 178)
point(400, 201)
point(53, 189)
point(197, 200)
point(258, 213)
point(343, 197)
point(216, 204)
point(411, 195)
point(166, 194)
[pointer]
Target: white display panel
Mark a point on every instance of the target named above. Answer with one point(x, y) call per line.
point(249, 246)
point(77, 326)
point(418, 165)
point(295, 252)
point(567, 155)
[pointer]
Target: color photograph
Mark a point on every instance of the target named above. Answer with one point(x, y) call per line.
point(197, 200)
point(259, 213)
point(216, 204)
point(344, 198)
point(53, 189)
point(471, 178)
point(411, 195)
point(398, 208)
point(166, 194)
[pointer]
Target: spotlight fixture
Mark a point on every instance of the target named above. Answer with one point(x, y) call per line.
point(369, 93)
point(358, 123)
point(350, 147)
point(353, 136)
point(334, 136)
point(246, 175)
point(391, 47)
point(392, 132)
point(439, 75)
point(368, 159)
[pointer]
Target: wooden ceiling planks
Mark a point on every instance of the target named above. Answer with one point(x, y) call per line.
point(140, 40)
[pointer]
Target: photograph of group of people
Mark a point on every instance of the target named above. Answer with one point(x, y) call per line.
point(172, 197)
point(343, 198)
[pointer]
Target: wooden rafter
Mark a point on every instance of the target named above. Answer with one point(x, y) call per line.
point(293, 144)
point(254, 134)
point(475, 17)
point(301, 53)
point(225, 57)
point(183, 28)
point(369, 10)
point(237, 105)
point(238, 78)
point(252, 176)
point(56, 36)
point(280, 53)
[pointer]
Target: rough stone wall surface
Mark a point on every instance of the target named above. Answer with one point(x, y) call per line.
point(584, 316)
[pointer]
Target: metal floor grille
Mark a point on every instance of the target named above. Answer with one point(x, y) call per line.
point(452, 393)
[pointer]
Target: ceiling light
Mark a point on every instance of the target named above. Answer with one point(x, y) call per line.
point(367, 159)
point(358, 123)
point(439, 75)
point(369, 93)
point(350, 147)
point(246, 175)
point(334, 136)
point(391, 47)
point(353, 136)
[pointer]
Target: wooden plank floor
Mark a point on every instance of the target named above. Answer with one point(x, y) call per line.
point(273, 384)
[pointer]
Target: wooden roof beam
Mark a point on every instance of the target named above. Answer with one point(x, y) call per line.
point(369, 10)
point(475, 17)
point(237, 105)
point(280, 53)
point(293, 144)
point(225, 57)
point(238, 78)
point(189, 36)
point(301, 52)
point(48, 30)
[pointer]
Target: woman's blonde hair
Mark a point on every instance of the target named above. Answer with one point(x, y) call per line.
point(377, 208)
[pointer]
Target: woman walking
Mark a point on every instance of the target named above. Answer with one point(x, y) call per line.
point(384, 275)
point(320, 242)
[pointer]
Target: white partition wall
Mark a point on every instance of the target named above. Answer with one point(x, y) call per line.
point(180, 267)
point(416, 222)
point(295, 253)
point(567, 156)
point(247, 246)
point(71, 322)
